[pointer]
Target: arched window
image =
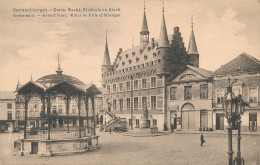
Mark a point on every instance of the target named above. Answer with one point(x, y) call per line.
point(187, 76)
point(188, 106)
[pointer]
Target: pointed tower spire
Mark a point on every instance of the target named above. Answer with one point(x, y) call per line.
point(163, 39)
point(144, 34)
point(106, 66)
point(18, 85)
point(192, 48)
point(106, 59)
point(59, 70)
point(144, 23)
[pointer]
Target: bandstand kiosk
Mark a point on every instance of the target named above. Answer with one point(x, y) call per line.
point(50, 141)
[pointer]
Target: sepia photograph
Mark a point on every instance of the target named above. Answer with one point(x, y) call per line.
point(138, 82)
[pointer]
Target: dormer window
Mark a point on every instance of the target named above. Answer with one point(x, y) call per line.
point(141, 51)
point(116, 65)
point(130, 61)
point(149, 48)
point(145, 57)
point(123, 63)
point(126, 56)
point(133, 53)
point(142, 65)
point(120, 57)
point(137, 59)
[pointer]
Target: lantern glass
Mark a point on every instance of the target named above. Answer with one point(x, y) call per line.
point(233, 107)
point(238, 112)
point(229, 108)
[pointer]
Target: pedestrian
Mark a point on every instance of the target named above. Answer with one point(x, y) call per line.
point(202, 140)
point(172, 128)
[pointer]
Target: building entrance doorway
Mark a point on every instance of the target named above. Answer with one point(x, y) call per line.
point(173, 120)
point(219, 121)
point(252, 121)
point(34, 148)
point(60, 122)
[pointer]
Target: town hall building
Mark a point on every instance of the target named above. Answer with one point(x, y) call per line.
point(137, 78)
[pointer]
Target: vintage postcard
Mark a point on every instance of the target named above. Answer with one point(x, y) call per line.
point(130, 82)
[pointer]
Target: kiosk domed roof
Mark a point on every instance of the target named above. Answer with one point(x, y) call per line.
point(53, 79)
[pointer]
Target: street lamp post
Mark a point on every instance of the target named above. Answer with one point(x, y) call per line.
point(233, 108)
point(240, 110)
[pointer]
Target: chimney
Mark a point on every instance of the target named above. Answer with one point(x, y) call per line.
point(176, 30)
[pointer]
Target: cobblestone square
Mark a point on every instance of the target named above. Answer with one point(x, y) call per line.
point(169, 149)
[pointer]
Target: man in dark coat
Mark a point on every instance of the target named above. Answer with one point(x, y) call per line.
point(202, 140)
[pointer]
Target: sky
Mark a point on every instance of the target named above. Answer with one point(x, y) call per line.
point(30, 46)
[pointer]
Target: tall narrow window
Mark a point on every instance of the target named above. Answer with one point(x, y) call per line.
point(136, 103)
point(130, 122)
point(154, 122)
point(60, 108)
point(220, 94)
point(9, 115)
point(188, 92)
point(153, 82)
point(128, 86)
point(143, 83)
point(108, 88)
point(173, 93)
point(137, 122)
point(136, 84)
point(253, 96)
point(114, 88)
point(153, 102)
point(121, 103)
point(54, 109)
point(204, 91)
point(253, 121)
point(128, 104)
point(114, 104)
